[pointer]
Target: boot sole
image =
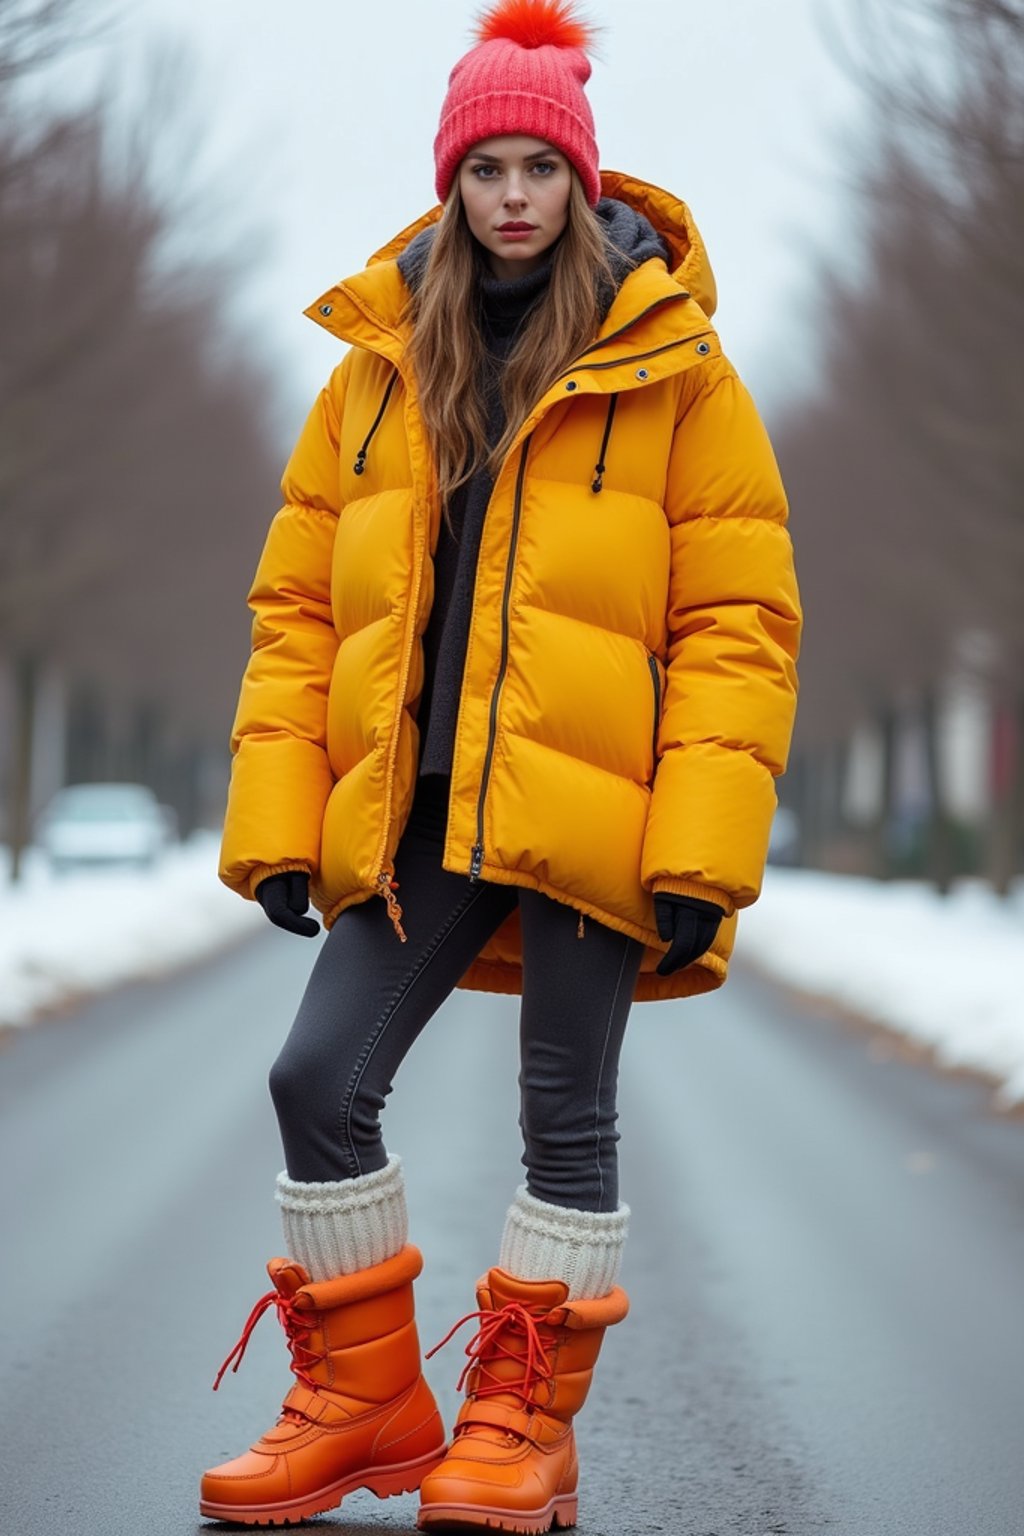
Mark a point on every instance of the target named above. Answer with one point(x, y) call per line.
point(560, 1512)
point(385, 1482)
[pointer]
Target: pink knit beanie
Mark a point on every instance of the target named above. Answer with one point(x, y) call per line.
point(525, 75)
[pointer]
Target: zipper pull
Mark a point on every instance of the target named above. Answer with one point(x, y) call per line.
point(579, 927)
point(386, 881)
point(476, 861)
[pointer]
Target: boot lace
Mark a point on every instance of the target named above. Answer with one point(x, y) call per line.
point(297, 1327)
point(510, 1333)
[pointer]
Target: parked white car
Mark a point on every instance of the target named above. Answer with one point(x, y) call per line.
point(103, 824)
point(784, 842)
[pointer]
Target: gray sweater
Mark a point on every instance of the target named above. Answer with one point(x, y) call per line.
point(503, 308)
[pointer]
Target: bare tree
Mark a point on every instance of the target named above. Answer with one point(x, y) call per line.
point(35, 32)
point(911, 460)
point(122, 437)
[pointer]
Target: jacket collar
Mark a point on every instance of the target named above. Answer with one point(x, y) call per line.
point(365, 310)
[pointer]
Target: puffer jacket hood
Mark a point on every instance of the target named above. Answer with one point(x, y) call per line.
point(629, 685)
point(639, 208)
point(650, 232)
point(382, 283)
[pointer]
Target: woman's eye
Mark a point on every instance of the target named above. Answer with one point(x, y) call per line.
point(482, 172)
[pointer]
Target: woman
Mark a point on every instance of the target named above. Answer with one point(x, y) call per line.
point(523, 651)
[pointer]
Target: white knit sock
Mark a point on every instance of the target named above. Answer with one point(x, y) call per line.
point(556, 1242)
point(337, 1228)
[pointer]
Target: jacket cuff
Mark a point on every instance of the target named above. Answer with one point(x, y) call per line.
point(673, 887)
point(264, 872)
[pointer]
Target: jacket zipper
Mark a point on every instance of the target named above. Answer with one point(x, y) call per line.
point(638, 357)
point(384, 880)
point(652, 662)
point(595, 346)
point(477, 858)
point(477, 852)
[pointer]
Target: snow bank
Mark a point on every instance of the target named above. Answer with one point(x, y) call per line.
point(62, 937)
point(947, 971)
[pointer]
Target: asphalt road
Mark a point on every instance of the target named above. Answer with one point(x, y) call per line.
point(826, 1263)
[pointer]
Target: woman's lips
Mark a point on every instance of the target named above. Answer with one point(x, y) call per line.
point(516, 231)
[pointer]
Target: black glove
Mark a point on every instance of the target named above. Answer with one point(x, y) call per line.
point(689, 925)
point(284, 898)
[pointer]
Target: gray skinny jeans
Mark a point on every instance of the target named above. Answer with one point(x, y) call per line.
point(369, 996)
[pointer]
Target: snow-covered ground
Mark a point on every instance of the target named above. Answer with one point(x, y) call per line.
point(946, 971)
point(949, 972)
point(63, 937)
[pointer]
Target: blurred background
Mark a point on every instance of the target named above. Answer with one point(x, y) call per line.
point(177, 182)
point(827, 1246)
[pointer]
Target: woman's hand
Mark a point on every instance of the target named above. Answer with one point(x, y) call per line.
point(689, 925)
point(285, 898)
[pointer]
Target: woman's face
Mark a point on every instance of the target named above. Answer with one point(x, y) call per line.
point(513, 180)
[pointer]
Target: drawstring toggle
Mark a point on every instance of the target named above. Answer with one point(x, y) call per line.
point(597, 484)
point(387, 885)
point(360, 464)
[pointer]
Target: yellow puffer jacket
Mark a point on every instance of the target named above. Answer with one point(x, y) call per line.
point(629, 686)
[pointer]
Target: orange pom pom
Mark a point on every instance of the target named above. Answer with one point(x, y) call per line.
point(535, 23)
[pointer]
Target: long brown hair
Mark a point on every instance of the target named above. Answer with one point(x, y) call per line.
point(447, 349)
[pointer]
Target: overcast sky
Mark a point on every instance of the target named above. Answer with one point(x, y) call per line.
point(318, 119)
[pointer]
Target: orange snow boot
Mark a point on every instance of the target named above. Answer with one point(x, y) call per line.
point(360, 1414)
point(512, 1462)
